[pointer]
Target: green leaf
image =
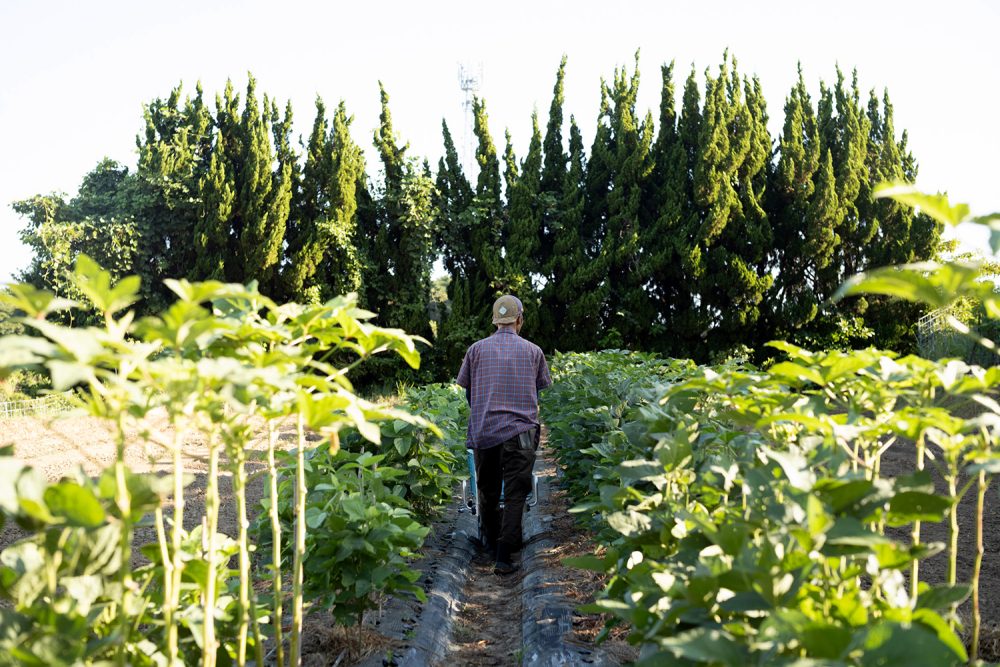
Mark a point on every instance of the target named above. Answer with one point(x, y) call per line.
point(817, 518)
point(990, 467)
point(629, 523)
point(77, 505)
point(95, 283)
point(888, 644)
point(84, 590)
point(939, 627)
point(825, 640)
point(848, 531)
point(81, 344)
point(910, 506)
point(943, 597)
point(35, 303)
point(791, 370)
point(707, 645)
point(936, 206)
point(909, 284)
point(795, 466)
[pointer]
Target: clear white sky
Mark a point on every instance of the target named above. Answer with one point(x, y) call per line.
point(74, 75)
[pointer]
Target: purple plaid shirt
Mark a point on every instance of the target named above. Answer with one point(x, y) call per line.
point(503, 374)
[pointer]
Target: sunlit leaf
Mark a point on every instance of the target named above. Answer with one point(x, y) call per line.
point(936, 206)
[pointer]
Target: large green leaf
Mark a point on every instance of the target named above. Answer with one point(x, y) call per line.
point(910, 506)
point(936, 206)
point(890, 644)
point(943, 596)
point(715, 647)
point(75, 504)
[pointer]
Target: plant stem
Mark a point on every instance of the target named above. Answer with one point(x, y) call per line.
point(168, 580)
point(953, 526)
point(209, 649)
point(176, 537)
point(982, 485)
point(300, 542)
point(258, 639)
point(239, 490)
point(272, 476)
point(123, 500)
point(915, 566)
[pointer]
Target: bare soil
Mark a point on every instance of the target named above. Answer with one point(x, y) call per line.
point(488, 629)
point(59, 445)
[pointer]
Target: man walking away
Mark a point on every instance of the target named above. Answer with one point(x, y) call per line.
point(502, 375)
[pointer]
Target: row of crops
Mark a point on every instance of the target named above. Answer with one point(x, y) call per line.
point(744, 514)
point(341, 519)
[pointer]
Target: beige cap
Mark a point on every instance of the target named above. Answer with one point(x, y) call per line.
point(506, 309)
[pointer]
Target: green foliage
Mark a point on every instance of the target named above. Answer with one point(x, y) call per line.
point(361, 534)
point(430, 461)
point(219, 362)
point(365, 501)
point(64, 580)
point(324, 254)
point(743, 511)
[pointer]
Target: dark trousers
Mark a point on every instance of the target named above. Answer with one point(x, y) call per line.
point(510, 465)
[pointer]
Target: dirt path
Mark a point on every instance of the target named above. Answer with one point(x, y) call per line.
point(488, 629)
point(489, 626)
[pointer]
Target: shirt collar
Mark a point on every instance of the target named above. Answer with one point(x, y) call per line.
point(506, 331)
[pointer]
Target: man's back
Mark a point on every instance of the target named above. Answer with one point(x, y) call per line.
point(503, 373)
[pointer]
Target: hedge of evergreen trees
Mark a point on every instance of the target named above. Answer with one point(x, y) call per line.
point(691, 234)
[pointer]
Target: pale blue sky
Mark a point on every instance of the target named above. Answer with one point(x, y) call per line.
point(74, 75)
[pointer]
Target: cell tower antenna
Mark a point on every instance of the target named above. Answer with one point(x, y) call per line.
point(470, 80)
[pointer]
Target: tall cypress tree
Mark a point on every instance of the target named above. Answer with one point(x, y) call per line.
point(553, 174)
point(569, 284)
point(795, 299)
point(304, 247)
point(264, 195)
point(398, 274)
point(174, 155)
point(253, 232)
point(585, 310)
point(217, 196)
point(631, 142)
point(734, 231)
point(323, 248)
point(454, 201)
point(686, 320)
point(344, 261)
point(487, 207)
point(454, 197)
point(847, 136)
point(509, 165)
point(522, 249)
point(663, 239)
